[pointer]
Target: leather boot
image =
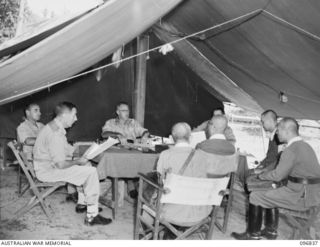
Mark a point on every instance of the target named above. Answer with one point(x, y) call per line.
point(271, 222)
point(254, 225)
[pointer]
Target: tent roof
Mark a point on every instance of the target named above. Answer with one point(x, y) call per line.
point(78, 46)
point(250, 62)
point(263, 55)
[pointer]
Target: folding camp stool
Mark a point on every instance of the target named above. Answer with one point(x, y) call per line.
point(40, 190)
point(153, 231)
point(301, 222)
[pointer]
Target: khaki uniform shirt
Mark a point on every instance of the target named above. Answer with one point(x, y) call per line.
point(28, 130)
point(131, 129)
point(51, 147)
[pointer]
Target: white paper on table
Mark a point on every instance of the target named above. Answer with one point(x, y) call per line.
point(197, 137)
point(96, 149)
point(193, 191)
point(168, 140)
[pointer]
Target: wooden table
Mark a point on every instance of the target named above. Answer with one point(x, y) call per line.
point(123, 163)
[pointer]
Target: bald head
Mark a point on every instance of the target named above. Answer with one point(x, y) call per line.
point(181, 132)
point(288, 128)
point(290, 124)
point(217, 125)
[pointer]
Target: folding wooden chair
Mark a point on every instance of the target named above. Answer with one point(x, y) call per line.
point(40, 190)
point(22, 188)
point(226, 205)
point(152, 231)
point(302, 222)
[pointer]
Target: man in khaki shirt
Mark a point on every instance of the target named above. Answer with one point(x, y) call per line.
point(52, 164)
point(125, 129)
point(28, 130)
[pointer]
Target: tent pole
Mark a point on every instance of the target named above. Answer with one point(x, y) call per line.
point(140, 79)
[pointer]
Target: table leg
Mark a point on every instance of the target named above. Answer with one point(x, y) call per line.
point(115, 197)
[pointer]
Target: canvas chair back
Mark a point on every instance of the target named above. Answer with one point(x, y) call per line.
point(194, 191)
point(182, 190)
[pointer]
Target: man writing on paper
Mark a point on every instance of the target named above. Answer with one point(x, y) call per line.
point(28, 130)
point(51, 152)
point(126, 129)
point(212, 157)
point(228, 133)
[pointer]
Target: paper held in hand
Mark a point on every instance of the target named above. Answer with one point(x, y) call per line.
point(197, 137)
point(96, 149)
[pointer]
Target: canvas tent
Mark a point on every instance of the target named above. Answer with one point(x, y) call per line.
point(249, 61)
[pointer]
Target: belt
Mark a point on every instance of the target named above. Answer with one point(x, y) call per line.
point(304, 180)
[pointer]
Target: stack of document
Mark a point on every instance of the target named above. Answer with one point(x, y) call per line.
point(95, 149)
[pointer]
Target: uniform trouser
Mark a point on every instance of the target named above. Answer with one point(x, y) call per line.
point(282, 197)
point(84, 177)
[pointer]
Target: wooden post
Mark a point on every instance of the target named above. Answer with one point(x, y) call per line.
point(140, 79)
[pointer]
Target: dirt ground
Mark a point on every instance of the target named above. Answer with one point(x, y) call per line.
point(68, 225)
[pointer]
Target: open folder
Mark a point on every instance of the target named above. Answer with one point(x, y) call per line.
point(95, 149)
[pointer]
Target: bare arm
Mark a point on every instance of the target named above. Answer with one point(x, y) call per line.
point(201, 127)
point(69, 163)
point(106, 134)
point(30, 141)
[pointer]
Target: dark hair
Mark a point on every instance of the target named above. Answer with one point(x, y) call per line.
point(28, 108)
point(62, 106)
point(272, 113)
point(121, 103)
point(219, 109)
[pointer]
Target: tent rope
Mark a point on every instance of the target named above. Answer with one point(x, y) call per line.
point(48, 84)
point(258, 11)
point(299, 29)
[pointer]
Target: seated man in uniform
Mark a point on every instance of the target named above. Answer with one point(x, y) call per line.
point(126, 129)
point(51, 164)
point(123, 127)
point(228, 131)
point(269, 124)
point(298, 163)
point(28, 130)
point(212, 157)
